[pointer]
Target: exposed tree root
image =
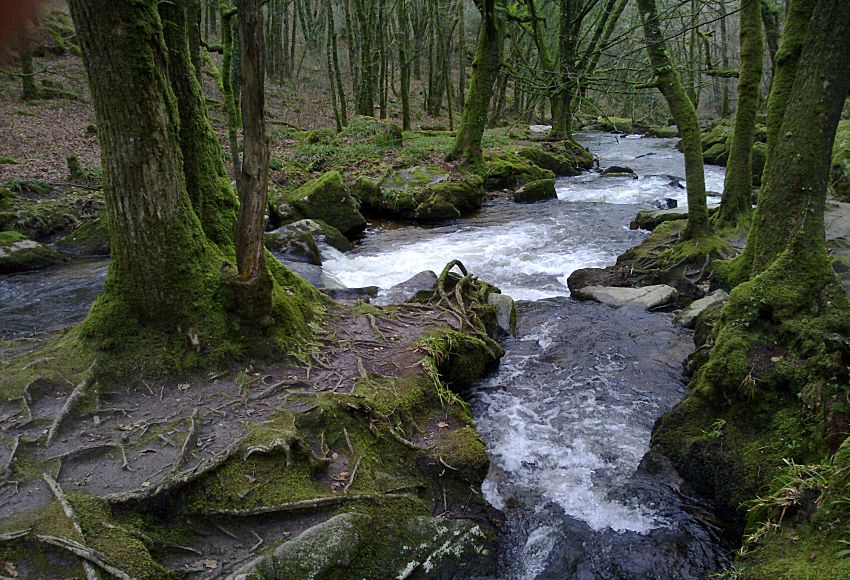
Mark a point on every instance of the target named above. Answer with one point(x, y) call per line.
point(90, 555)
point(91, 574)
point(188, 443)
point(7, 465)
point(306, 504)
point(72, 399)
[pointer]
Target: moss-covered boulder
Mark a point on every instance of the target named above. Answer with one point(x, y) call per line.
point(719, 132)
point(327, 199)
point(535, 191)
point(376, 131)
point(90, 238)
point(619, 171)
point(19, 254)
point(561, 158)
point(425, 193)
point(840, 179)
point(717, 154)
point(510, 171)
point(614, 124)
point(669, 132)
point(298, 241)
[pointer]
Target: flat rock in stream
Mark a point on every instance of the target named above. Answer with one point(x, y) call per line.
point(689, 315)
point(646, 297)
point(406, 290)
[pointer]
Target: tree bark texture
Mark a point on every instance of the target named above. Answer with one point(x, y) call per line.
point(685, 116)
point(738, 185)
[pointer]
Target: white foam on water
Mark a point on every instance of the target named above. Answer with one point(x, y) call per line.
point(527, 259)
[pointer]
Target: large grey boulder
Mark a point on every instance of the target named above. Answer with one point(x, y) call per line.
point(689, 315)
point(616, 297)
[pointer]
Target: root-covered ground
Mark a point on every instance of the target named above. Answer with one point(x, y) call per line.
point(202, 475)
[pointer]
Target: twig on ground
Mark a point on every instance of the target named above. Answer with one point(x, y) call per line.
point(90, 555)
point(91, 574)
point(353, 475)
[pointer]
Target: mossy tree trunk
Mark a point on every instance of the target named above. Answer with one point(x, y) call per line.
point(164, 271)
point(770, 19)
point(485, 67)
point(793, 39)
point(403, 43)
point(797, 171)
point(207, 182)
point(228, 13)
point(790, 297)
point(169, 297)
point(682, 109)
point(736, 203)
point(29, 90)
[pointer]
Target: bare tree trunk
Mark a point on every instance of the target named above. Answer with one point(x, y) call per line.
point(253, 188)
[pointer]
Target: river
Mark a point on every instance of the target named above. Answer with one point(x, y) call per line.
point(568, 415)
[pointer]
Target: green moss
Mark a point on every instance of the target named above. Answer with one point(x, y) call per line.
point(717, 154)
point(736, 462)
point(121, 548)
point(327, 199)
point(562, 158)
point(6, 160)
point(798, 552)
point(17, 254)
point(534, 191)
point(9, 238)
point(460, 358)
point(840, 177)
point(464, 450)
point(89, 239)
point(510, 171)
point(621, 124)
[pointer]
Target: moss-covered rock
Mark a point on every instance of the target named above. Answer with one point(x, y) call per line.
point(614, 124)
point(327, 199)
point(717, 154)
point(510, 171)
point(298, 240)
point(619, 171)
point(561, 158)
point(425, 193)
point(840, 179)
point(535, 191)
point(88, 239)
point(19, 254)
point(719, 132)
point(663, 132)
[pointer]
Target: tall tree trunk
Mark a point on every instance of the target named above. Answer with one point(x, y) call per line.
point(403, 41)
point(562, 112)
point(794, 189)
point(340, 89)
point(684, 114)
point(485, 66)
point(164, 272)
point(254, 279)
point(193, 32)
point(770, 19)
point(736, 202)
point(227, 14)
point(725, 108)
point(329, 62)
point(207, 182)
point(461, 50)
point(29, 90)
point(793, 41)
